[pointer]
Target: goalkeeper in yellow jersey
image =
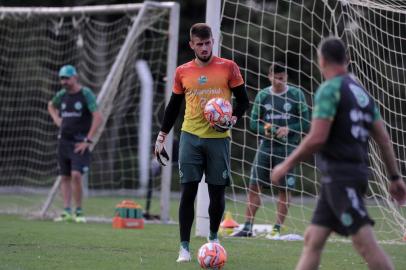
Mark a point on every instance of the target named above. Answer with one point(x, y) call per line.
point(202, 148)
point(280, 116)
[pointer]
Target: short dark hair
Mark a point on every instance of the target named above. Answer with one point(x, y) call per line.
point(333, 50)
point(277, 67)
point(200, 30)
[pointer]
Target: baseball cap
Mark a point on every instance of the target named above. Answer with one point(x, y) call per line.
point(67, 71)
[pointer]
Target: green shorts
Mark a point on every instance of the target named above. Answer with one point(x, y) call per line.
point(264, 161)
point(200, 155)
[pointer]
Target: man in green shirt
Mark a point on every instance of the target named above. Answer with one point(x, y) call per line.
point(280, 116)
point(74, 110)
point(344, 117)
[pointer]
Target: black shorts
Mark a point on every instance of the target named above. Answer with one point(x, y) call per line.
point(69, 161)
point(341, 207)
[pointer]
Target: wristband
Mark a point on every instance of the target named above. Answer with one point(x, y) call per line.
point(87, 140)
point(394, 177)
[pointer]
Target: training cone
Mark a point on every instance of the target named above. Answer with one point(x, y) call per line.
point(228, 224)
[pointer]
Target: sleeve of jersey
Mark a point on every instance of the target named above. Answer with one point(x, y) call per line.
point(177, 83)
point(235, 76)
point(256, 124)
point(90, 100)
point(304, 122)
point(56, 100)
point(377, 114)
point(326, 102)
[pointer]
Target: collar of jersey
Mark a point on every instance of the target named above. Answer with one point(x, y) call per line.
point(278, 94)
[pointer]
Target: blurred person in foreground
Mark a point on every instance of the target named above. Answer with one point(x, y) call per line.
point(344, 118)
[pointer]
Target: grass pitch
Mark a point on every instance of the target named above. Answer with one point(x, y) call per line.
point(36, 244)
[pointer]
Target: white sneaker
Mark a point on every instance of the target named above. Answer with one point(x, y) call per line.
point(217, 241)
point(184, 256)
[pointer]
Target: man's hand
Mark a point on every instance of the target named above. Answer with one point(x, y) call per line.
point(397, 189)
point(282, 132)
point(160, 152)
point(81, 147)
point(278, 172)
point(225, 125)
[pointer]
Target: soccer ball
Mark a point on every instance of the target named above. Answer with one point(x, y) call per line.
point(218, 111)
point(212, 256)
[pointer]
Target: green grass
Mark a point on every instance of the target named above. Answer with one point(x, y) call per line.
point(35, 244)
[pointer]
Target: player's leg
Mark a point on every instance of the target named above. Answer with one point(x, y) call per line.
point(254, 202)
point(80, 165)
point(77, 191)
point(314, 240)
point(284, 195)
point(191, 162)
point(259, 177)
point(186, 211)
point(365, 243)
point(66, 189)
point(282, 210)
point(66, 183)
point(217, 171)
point(216, 209)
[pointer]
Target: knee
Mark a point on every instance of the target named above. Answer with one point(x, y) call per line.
point(363, 246)
point(76, 176)
point(312, 242)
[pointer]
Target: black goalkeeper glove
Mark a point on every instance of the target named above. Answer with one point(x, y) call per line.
point(225, 124)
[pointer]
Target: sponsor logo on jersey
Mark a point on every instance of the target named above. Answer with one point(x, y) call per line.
point(202, 79)
point(287, 106)
point(268, 107)
point(63, 106)
point(71, 114)
point(78, 105)
point(204, 92)
point(360, 95)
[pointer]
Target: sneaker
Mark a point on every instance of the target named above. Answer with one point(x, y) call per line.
point(65, 216)
point(242, 233)
point(80, 219)
point(215, 240)
point(274, 235)
point(184, 256)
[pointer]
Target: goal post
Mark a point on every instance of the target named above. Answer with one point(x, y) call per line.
point(104, 42)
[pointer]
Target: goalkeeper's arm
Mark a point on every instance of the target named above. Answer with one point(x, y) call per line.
point(172, 112)
point(170, 115)
point(241, 99)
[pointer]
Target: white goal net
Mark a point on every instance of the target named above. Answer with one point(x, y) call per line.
point(104, 43)
point(255, 33)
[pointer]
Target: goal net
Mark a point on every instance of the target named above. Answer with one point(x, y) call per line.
point(255, 33)
point(104, 43)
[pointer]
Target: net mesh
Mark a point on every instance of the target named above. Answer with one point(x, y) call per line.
point(256, 33)
point(33, 47)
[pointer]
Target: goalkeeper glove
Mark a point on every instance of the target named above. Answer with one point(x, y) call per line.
point(160, 152)
point(225, 124)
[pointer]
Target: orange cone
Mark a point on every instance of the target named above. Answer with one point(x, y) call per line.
point(228, 224)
